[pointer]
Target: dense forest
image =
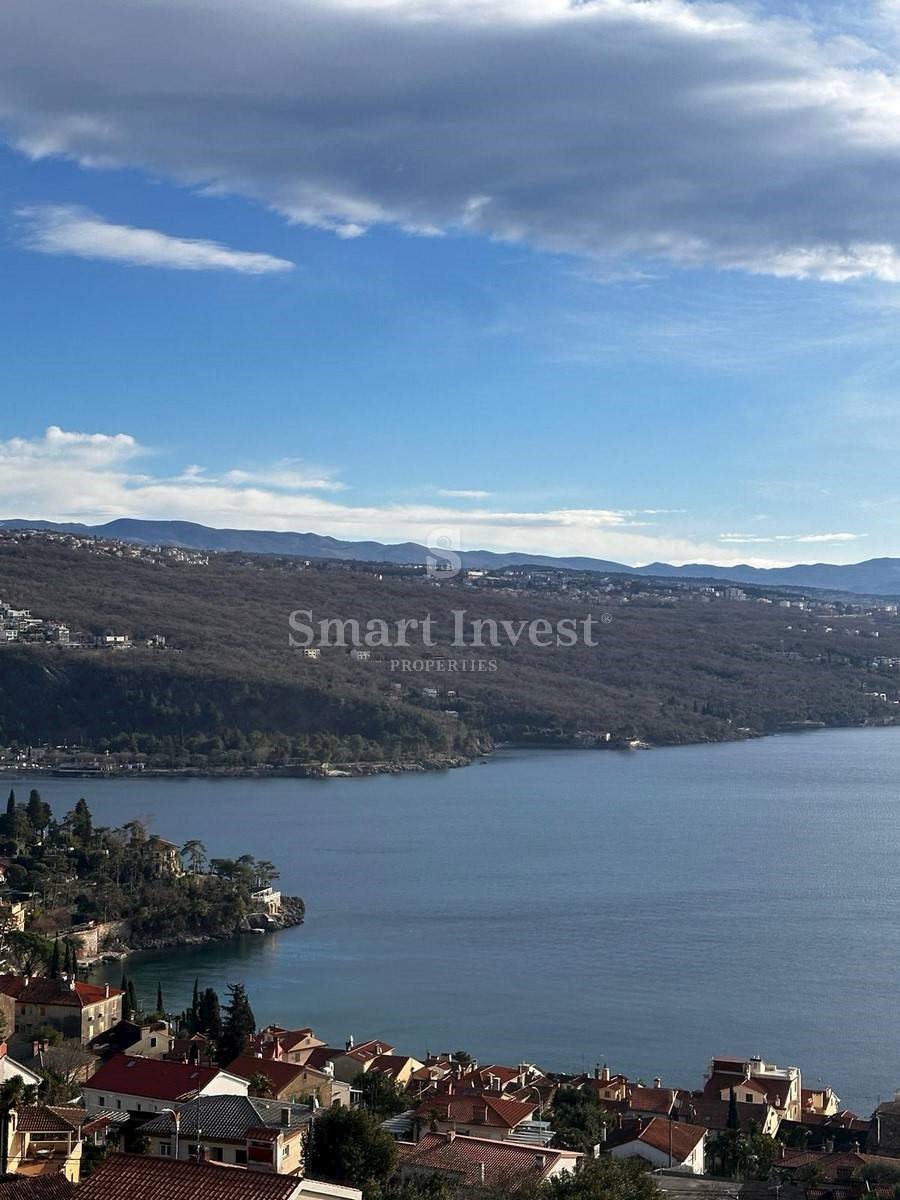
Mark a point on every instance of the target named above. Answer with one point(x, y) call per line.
point(229, 690)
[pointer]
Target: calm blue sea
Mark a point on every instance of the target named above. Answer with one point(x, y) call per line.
point(644, 909)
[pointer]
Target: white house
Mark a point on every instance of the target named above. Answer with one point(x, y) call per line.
point(152, 1085)
point(662, 1143)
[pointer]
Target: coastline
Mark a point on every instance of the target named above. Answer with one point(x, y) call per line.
point(427, 763)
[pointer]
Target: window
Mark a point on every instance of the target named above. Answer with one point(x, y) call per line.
point(165, 1149)
point(215, 1153)
point(152, 1042)
point(749, 1098)
point(240, 1157)
point(101, 1100)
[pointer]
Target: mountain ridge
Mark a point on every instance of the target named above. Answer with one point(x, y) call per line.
point(875, 576)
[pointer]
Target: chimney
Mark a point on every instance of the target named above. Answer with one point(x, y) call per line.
point(106, 991)
point(348, 1045)
point(657, 1082)
point(605, 1074)
point(285, 1116)
point(481, 1173)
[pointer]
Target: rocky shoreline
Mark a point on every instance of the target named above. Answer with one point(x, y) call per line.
point(293, 913)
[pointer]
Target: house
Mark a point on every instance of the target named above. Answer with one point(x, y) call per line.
point(655, 1101)
point(349, 1062)
point(714, 1114)
point(261, 1135)
point(9, 1067)
point(150, 1040)
point(77, 1010)
point(756, 1082)
point(662, 1143)
point(149, 1085)
point(291, 1045)
point(479, 1115)
point(475, 1161)
point(45, 1141)
point(293, 1081)
point(398, 1067)
point(137, 1177)
point(166, 856)
point(604, 1087)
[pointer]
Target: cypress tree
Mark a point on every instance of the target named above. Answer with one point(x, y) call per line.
point(159, 1000)
point(55, 965)
point(734, 1121)
point(132, 999)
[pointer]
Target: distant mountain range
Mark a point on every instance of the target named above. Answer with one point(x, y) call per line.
point(875, 576)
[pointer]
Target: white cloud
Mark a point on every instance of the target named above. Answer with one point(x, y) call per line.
point(95, 478)
point(463, 494)
point(65, 229)
point(693, 132)
point(799, 538)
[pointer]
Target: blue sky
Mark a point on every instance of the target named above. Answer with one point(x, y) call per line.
point(313, 267)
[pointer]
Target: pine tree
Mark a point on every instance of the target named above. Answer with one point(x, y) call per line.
point(238, 1027)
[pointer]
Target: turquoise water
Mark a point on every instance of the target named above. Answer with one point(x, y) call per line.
point(646, 909)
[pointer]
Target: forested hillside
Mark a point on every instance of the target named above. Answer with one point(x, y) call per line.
point(230, 690)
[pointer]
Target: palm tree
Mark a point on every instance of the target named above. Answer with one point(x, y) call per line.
point(13, 1092)
point(260, 1085)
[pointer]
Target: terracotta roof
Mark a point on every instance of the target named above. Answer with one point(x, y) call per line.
point(841, 1165)
point(483, 1109)
point(41, 989)
point(137, 1177)
point(390, 1064)
point(39, 1187)
point(656, 1133)
point(366, 1050)
point(652, 1100)
point(463, 1158)
point(279, 1073)
point(42, 1118)
point(713, 1114)
point(159, 1078)
point(320, 1055)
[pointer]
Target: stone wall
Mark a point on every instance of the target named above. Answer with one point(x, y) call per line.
point(95, 938)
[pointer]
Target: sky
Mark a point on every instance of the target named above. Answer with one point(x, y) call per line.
point(614, 277)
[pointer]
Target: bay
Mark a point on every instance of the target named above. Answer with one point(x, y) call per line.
point(644, 909)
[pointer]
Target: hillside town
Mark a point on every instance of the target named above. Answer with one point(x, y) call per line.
point(97, 1095)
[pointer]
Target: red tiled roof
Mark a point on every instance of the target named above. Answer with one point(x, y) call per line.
point(37, 1187)
point(137, 1177)
point(389, 1064)
point(159, 1078)
point(280, 1074)
point(652, 1100)
point(463, 1157)
point(41, 1118)
point(366, 1050)
point(483, 1109)
point(657, 1132)
point(41, 989)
